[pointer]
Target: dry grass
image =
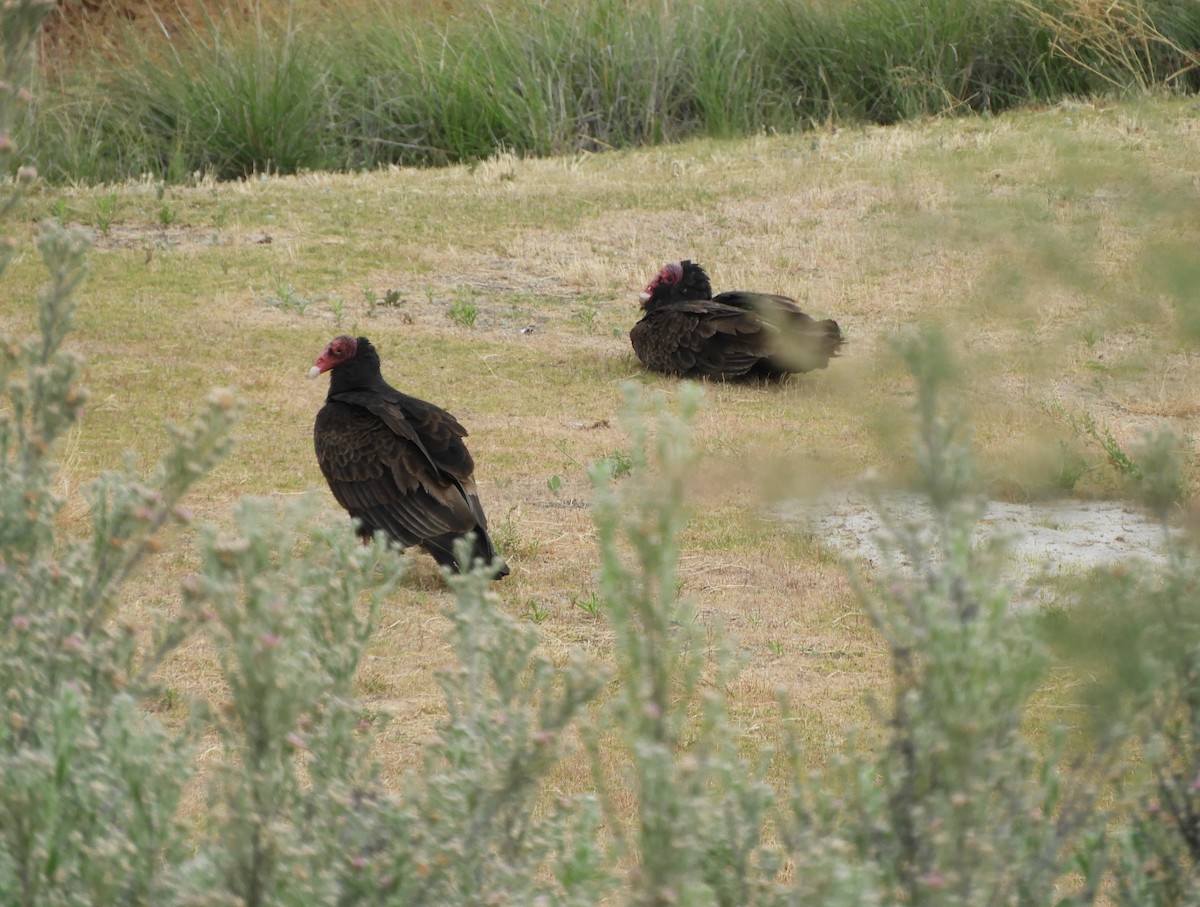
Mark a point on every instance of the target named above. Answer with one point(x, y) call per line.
point(1025, 235)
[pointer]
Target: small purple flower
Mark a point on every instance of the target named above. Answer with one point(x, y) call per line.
point(934, 880)
point(191, 586)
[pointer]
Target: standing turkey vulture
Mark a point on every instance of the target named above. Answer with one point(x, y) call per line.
point(685, 331)
point(398, 464)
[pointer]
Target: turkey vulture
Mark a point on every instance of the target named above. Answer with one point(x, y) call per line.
point(398, 464)
point(686, 331)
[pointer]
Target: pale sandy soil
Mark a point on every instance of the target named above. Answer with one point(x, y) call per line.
point(1044, 540)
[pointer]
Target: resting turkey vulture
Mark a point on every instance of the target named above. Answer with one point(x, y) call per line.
point(686, 331)
point(398, 464)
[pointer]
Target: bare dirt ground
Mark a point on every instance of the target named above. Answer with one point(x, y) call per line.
point(1044, 540)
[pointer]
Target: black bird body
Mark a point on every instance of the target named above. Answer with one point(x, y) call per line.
point(686, 331)
point(396, 463)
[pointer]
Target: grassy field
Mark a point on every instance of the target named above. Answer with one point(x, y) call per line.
point(1056, 247)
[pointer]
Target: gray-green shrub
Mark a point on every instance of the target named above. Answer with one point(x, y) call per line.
point(954, 805)
point(89, 782)
point(476, 824)
point(700, 808)
point(289, 604)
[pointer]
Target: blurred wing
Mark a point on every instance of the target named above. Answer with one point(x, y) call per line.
point(762, 303)
point(802, 343)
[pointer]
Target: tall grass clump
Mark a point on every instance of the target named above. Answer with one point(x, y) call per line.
point(884, 61)
point(227, 96)
point(1143, 45)
point(552, 78)
point(233, 100)
point(282, 91)
point(84, 130)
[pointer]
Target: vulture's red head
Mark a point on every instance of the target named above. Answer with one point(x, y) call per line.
point(663, 281)
point(676, 282)
point(341, 349)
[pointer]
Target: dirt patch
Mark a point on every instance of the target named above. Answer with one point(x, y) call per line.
point(1045, 540)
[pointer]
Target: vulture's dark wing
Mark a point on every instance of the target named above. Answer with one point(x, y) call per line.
point(437, 433)
point(411, 478)
point(802, 343)
point(699, 338)
point(440, 435)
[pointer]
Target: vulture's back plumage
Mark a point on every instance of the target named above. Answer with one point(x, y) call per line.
point(396, 463)
point(687, 331)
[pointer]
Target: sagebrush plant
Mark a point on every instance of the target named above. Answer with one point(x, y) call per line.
point(289, 604)
point(957, 803)
point(64, 668)
point(89, 783)
point(1158, 852)
point(1136, 632)
point(700, 809)
point(967, 809)
point(477, 824)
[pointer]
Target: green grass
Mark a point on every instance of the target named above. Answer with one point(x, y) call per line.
point(366, 85)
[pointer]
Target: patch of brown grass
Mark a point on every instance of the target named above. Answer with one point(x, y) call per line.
point(1018, 234)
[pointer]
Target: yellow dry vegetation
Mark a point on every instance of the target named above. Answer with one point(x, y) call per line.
point(1043, 242)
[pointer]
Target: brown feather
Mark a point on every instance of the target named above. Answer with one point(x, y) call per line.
point(398, 464)
point(688, 332)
